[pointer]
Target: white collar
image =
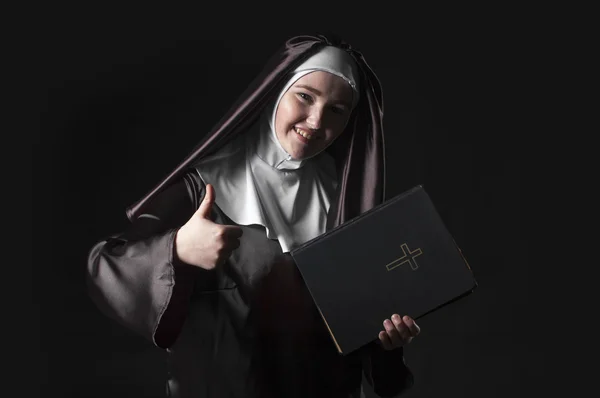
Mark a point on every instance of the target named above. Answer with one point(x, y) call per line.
point(256, 183)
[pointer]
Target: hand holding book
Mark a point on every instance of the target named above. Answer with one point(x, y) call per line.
point(399, 331)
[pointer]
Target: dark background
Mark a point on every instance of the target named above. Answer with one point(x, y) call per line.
point(125, 93)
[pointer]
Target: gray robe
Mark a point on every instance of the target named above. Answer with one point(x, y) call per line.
point(246, 329)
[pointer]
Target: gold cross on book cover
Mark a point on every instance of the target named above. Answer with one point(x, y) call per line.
point(408, 257)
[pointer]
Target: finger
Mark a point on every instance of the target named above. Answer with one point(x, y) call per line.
point(229, 237)
point(392, 333)
point(401, 327)
point(225, 252)
point(231, 244)
point(413, 328)
point(232, 231)
point(385, 341)
point(205, 208)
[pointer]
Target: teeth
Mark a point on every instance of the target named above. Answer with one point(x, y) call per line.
point(303, 133)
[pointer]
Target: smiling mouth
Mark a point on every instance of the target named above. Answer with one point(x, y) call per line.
point(303, 133)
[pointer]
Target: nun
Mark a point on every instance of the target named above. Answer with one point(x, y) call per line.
point(204, 271)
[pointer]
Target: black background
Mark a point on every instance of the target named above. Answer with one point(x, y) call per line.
point(125, 92)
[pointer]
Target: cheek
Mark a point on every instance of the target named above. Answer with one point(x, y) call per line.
point(337, 127)
point(288, 113)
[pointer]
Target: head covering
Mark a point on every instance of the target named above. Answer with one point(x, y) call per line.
point(258, 183)
point(328, 59)
point(358, 153)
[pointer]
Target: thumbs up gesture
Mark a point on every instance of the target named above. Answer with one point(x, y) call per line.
point(203, 243)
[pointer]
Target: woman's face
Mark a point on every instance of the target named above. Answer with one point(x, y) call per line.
point(313, 113)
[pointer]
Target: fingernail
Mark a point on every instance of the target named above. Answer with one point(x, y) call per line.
point(407, 319)
point(396, 317)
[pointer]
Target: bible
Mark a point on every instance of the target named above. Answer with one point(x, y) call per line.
point(396, 258)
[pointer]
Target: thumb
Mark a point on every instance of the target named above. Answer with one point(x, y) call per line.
point(205, 208)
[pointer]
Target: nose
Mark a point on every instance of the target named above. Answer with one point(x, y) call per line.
point(315, 118)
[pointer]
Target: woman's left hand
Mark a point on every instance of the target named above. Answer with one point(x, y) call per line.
point(398, 332)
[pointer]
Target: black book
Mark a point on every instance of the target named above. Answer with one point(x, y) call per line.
point(397, 258)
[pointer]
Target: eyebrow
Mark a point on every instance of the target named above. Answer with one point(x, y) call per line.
point(317, 92)
point(309, 88)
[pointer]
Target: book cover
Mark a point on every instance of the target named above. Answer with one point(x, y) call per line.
point(398, 257)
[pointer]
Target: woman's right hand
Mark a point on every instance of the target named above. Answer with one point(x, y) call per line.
point(203, 243)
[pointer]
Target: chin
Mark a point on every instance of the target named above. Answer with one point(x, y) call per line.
point(300, 155)
point(297, 157)
point(296, 154)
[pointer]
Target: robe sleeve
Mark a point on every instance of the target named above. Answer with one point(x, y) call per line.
point(135, 277)
point(386, 371)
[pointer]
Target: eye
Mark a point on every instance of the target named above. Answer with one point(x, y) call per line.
point(338, 110)
point(305, 97)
